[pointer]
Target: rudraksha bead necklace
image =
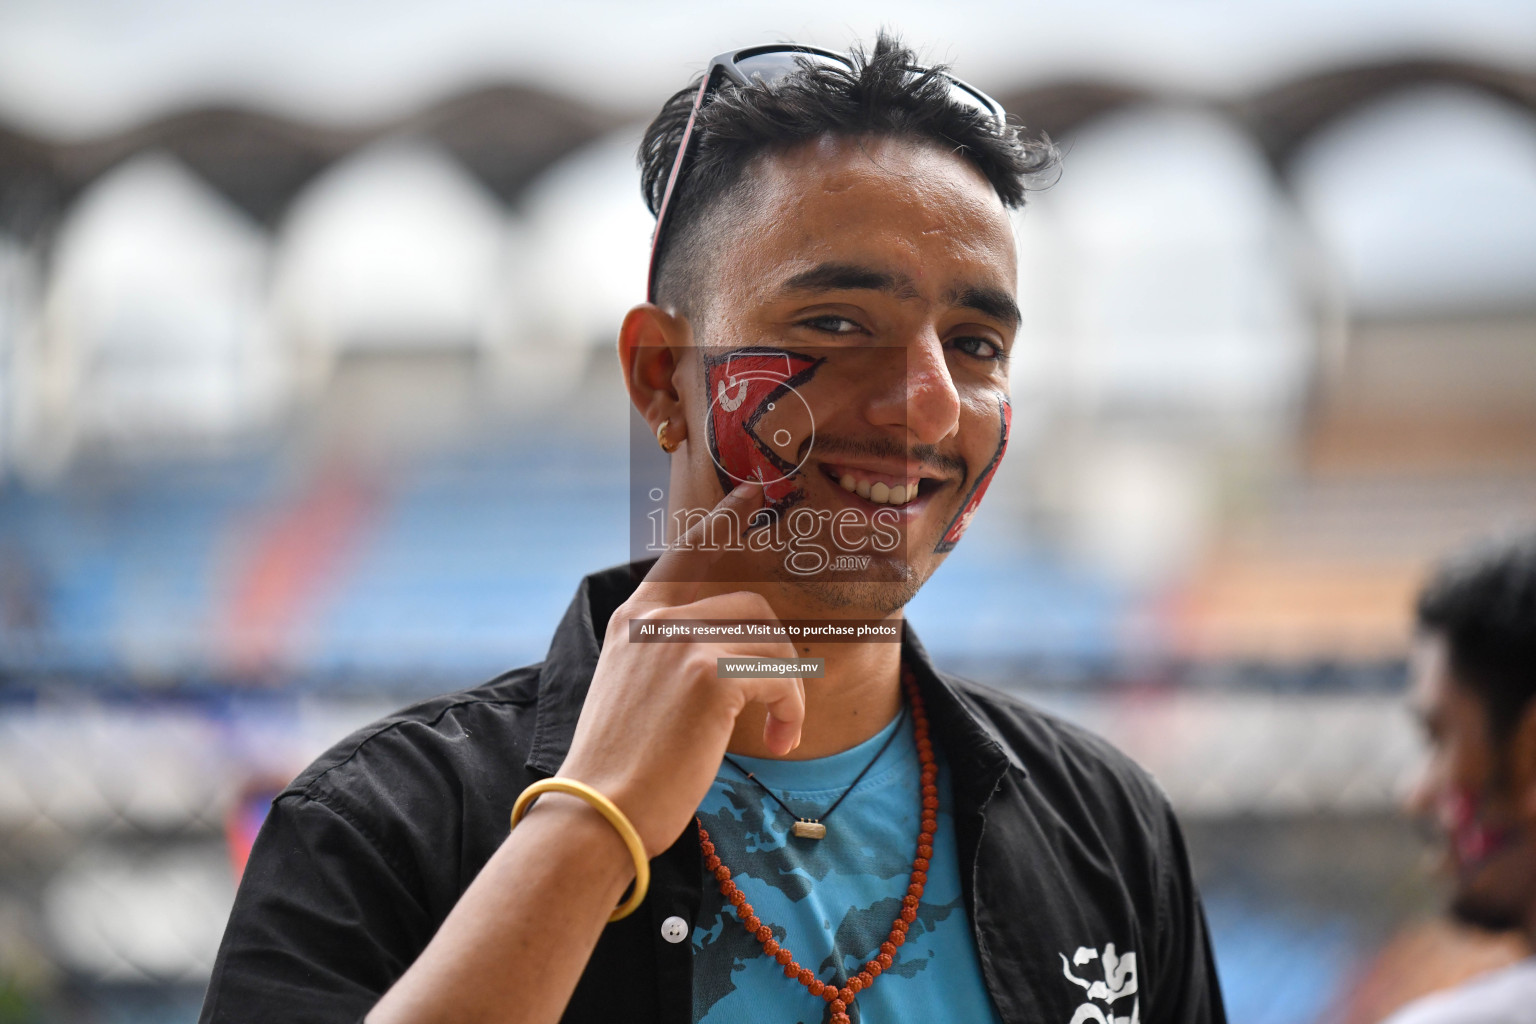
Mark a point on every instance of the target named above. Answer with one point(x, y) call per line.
point(840, 998)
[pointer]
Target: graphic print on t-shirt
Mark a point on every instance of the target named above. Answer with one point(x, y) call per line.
point(831, 901)
point(1117, 981)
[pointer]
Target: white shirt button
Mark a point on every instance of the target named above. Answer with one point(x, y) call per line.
point(674, 929)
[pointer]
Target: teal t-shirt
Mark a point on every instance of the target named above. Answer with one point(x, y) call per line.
point(831, 901)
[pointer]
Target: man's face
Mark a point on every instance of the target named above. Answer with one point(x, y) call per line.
point(878, 275)
point(1466, 788)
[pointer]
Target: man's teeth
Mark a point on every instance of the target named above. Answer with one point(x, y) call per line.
point(880, 493)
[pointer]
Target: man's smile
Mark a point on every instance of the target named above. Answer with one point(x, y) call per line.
point(884, 483)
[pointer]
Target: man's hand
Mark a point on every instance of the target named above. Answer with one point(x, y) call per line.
point(651, 734)
point(657, 719)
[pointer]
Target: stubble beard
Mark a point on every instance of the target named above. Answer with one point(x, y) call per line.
point(1484, 912)
point(868, 598)
point(1487, 898)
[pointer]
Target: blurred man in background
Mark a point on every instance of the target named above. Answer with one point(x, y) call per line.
point(1474, 674)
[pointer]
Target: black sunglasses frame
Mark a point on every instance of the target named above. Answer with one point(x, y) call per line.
point(728, 66)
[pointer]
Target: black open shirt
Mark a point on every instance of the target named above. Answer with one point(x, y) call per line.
point(1064, 844)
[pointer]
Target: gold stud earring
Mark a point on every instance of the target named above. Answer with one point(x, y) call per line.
point(661, 438)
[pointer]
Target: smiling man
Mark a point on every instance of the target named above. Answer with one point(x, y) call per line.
point(738, 789)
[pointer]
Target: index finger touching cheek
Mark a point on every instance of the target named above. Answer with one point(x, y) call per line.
point(676, 577)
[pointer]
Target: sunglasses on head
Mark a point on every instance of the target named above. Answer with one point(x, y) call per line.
point(768, 65)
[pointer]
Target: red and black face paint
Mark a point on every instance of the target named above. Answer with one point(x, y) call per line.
point(760, 427)
point(962, 520)
point(1474, 840)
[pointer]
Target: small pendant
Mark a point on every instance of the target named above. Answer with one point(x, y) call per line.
point(804, 829)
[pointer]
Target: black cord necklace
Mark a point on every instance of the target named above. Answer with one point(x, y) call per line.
point(813, 828)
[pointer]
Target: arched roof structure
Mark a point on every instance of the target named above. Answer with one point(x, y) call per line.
point(1425, 202)
point(593, 233)
point(1160, 272)
point(395, 247)
point(155, 325)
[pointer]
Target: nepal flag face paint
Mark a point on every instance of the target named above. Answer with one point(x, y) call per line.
point(957, 526)
point(1474, 840)
point(760, 427)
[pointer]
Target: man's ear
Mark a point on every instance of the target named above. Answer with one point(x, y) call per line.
point(651, 342)
point(1522, 762)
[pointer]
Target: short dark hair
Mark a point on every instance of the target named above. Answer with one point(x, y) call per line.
point(1483, 602)
point(886, 93)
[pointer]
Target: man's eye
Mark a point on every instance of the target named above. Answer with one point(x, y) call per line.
point(980, 348)
point(832, 324)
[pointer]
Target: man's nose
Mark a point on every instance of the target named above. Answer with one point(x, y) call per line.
point(1421, 799)
point(932, 401)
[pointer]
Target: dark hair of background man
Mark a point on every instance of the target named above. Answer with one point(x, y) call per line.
point(1483, 602)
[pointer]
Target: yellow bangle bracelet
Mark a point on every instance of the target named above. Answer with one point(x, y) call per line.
point(608, 809)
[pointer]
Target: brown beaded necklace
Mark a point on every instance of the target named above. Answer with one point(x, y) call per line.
point(840, 998)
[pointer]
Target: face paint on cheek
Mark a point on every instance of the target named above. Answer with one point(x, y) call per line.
point(957, 526)
point(760, 427)
point(1473, 839)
